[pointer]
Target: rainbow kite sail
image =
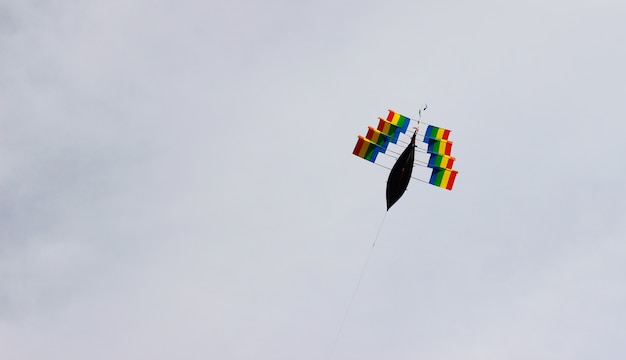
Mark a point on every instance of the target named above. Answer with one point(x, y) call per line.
point(436, 155)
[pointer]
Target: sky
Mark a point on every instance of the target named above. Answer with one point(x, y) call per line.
point(177, 180)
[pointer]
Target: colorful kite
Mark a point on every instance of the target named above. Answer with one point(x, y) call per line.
point(437, 148)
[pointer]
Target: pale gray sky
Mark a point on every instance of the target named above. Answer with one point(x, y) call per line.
point(177, 180)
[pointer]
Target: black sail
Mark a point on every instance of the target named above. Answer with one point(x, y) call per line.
point(400, 174)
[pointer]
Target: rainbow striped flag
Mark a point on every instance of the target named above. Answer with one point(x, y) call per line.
point(440, 161)
point(399, 120)
point(367, 149)
point(379, 138)
point(443, 178)
point(434, 132)
point(440, 147)
point(393, 131)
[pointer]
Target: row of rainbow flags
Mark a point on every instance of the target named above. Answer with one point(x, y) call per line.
point(377, 140)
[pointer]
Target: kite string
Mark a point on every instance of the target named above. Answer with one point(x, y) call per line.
point(380, 228)
point(356, 289)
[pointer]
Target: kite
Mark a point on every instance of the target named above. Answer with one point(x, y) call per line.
point(435, 155)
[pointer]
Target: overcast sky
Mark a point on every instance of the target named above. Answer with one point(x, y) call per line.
point(177, 180)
